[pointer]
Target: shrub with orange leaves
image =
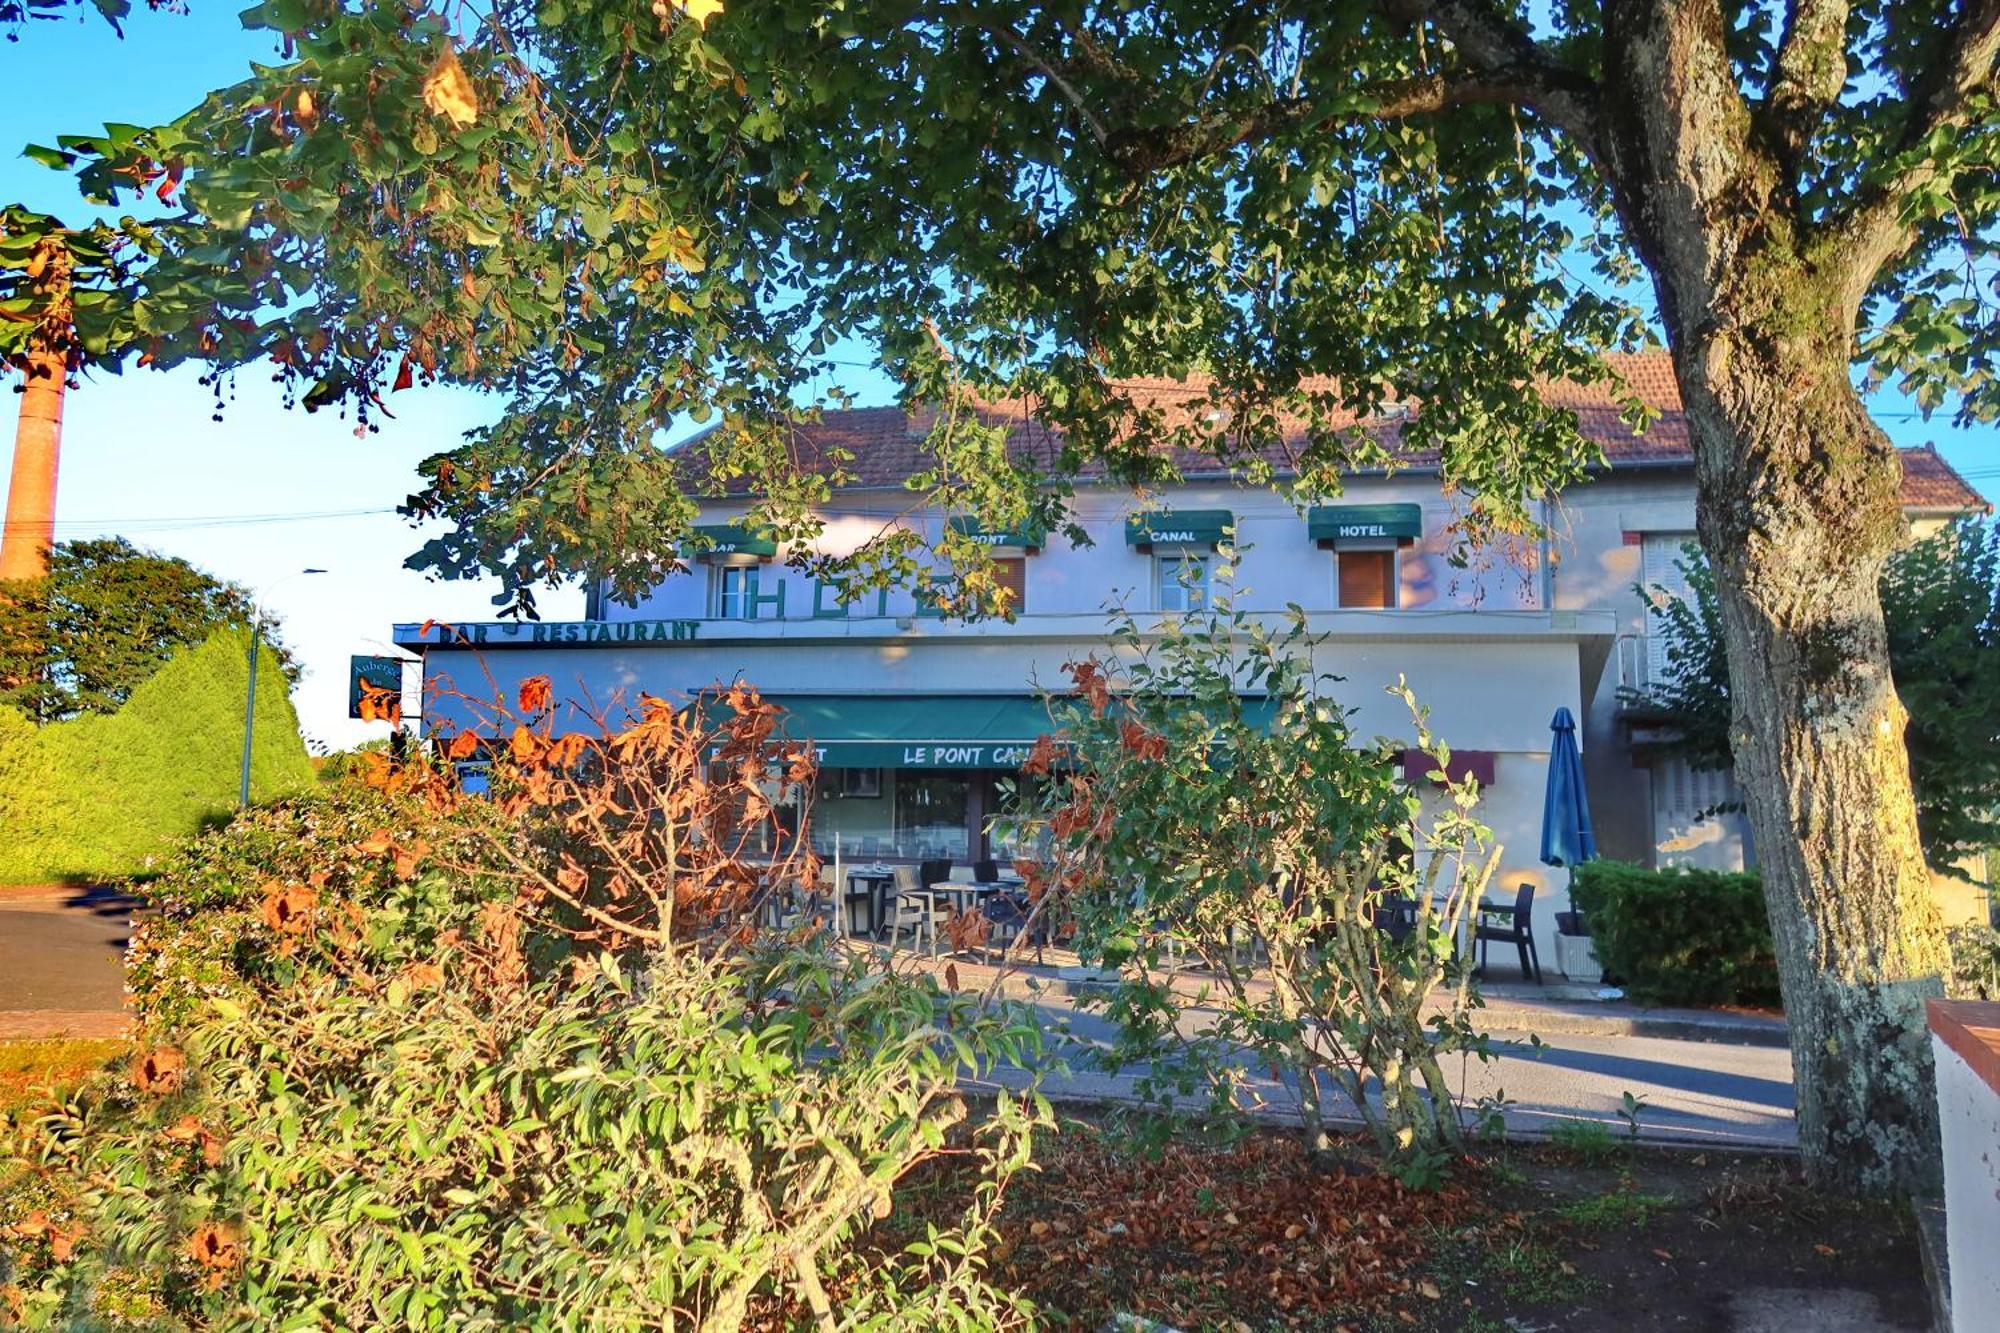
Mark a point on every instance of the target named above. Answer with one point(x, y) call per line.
point(402, 1040)
point(216, 1251)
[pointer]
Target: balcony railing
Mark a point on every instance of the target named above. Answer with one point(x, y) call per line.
point(1633, 654)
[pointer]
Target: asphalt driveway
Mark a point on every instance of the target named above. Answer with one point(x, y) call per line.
point(62, 955)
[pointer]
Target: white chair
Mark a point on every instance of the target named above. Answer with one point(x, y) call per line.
point(915, 909)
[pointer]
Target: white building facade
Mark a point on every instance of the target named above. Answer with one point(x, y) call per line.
point(921, 722)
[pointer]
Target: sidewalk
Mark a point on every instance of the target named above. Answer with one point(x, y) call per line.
point(1556, 1008)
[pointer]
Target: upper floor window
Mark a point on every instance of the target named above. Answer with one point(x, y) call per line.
point(1367, 577)
point(732, 592)
point(1180, 580)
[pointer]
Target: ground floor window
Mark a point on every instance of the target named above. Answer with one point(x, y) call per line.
point(931, 813)
point(919, 814)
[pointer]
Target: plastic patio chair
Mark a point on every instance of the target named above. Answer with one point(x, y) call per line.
point(914, 909)
point(1511, 925)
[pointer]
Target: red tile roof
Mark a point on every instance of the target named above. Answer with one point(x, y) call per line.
point(1931, 483)
point(882, 446)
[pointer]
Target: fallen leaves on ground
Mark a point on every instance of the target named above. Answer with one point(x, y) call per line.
point(1199, 1236)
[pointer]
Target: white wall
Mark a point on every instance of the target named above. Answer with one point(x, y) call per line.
point(1278, 565)
point(1969, 1115)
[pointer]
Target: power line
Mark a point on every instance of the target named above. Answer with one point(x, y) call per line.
point(167, 523)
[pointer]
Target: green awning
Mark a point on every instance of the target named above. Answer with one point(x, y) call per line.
point(915, 731)
point(1180, 527)
point(963, 731)
point(1025, 536)
point(734, 539)
point(1339, 523)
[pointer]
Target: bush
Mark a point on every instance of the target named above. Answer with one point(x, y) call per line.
point(414, 1060)
point(104, 796)
point(1682, 935)
point(1184, 821)
point(1975, 963)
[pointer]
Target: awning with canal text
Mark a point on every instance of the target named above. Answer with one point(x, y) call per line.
point(915, 731)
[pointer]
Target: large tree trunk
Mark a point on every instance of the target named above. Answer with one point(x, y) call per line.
point(31, 487)
point(1799, 507)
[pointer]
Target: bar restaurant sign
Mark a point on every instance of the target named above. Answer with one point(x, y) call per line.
point(509, 633)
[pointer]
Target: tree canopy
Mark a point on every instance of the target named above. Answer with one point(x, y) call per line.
point(617, 219)
point(106, 617)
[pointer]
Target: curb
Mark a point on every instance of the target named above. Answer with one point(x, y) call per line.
point(55, 1024)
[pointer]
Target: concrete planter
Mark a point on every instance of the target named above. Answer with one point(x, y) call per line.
point(1576, 959)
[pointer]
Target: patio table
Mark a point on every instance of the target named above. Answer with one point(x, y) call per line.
point(966, 894)
point(874, 883)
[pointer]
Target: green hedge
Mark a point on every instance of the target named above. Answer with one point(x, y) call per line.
point(102, 796)
point(1680, 936)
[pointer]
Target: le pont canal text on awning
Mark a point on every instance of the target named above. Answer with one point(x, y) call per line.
point(896, 754)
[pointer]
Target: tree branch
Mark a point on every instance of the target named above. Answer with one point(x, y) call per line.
point(1007, 33)
point(1811, 71)
point(1155, 149)
point(1495, 44)
point(1874, 231)
point(1508, 67)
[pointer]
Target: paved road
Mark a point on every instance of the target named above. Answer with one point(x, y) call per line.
point(1692, 1091)
point(61, 963)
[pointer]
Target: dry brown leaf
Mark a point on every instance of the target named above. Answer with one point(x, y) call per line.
point(449, 93)
point(160, 1071)
point(217, 1248)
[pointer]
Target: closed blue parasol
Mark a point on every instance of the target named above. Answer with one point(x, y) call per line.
point(1566, 836)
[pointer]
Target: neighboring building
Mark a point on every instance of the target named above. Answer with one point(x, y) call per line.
point(921, 722)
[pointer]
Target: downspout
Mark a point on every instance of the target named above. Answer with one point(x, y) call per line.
point(1548, 580)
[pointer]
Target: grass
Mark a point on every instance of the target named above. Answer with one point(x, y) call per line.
point(1627, 1209)
point(1587, 1139)
point(31, 1070)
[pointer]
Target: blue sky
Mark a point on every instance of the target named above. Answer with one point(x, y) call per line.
point(267, 490)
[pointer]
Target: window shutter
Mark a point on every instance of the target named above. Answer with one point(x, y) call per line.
point(1659, 570)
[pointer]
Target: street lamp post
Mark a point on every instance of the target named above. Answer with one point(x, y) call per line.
point(250, 699)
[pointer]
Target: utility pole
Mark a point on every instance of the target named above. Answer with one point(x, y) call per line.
point(31, 485)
